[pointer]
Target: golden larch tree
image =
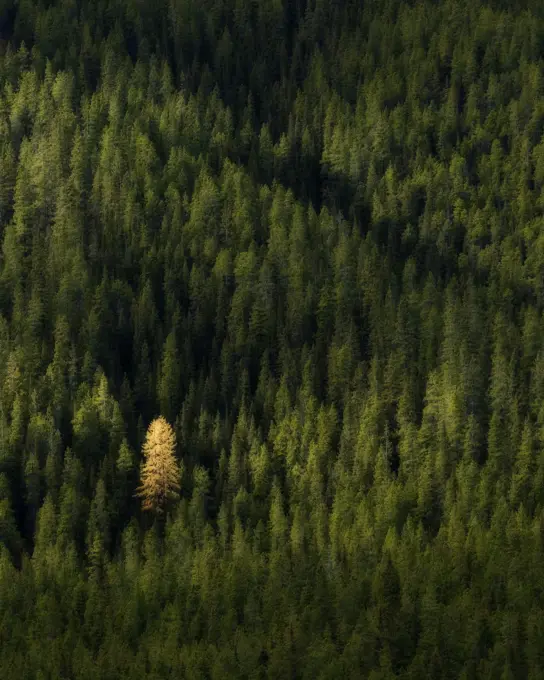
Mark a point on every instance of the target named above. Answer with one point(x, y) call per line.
point(160, 474)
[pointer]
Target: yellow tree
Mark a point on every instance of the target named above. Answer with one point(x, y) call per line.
point(160, 474)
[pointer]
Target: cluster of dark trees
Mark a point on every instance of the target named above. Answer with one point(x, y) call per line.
point(310, 235)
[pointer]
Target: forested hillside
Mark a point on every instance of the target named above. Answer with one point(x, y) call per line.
point(309, 234)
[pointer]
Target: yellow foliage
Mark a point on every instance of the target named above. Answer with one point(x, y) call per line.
point(160, 474)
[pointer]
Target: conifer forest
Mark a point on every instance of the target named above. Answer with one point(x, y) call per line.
point(271, 339)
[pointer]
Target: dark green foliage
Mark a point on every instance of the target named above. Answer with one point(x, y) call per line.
point(310, 235)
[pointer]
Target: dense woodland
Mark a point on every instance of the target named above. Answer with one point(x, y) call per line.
point(310, 235)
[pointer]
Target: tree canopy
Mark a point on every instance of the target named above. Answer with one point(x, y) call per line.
point(310, 234)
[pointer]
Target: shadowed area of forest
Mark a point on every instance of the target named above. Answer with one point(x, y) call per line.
point(271, 339)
